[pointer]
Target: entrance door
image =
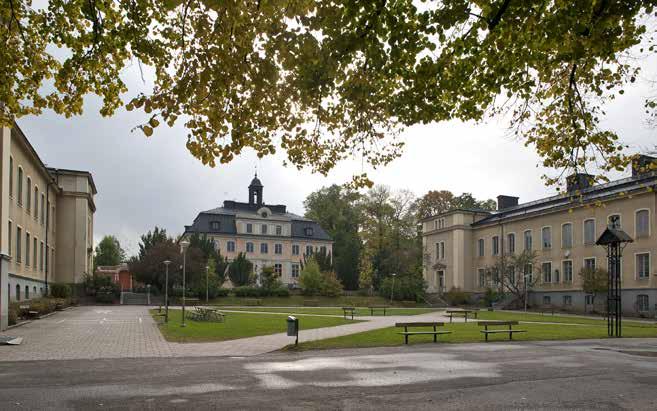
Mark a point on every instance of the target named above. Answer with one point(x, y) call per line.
point(441, 280)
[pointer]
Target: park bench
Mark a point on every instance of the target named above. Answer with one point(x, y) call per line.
point(192, 302)
point(548, 308)
point(310, 303)
point(348, 310)
point(27, 313)
point(253, 301)
point(435, 332)
point(509, 331)
point(408, 303)
point(373, 308)
point(465, 313)
point(206, 314)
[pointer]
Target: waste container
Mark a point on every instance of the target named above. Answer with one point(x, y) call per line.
point(293, 328)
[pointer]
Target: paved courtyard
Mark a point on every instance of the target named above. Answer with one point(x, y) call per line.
point(130, 332)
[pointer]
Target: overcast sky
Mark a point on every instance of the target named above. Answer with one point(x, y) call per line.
point(143, 182)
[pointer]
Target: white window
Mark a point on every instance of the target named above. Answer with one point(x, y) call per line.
point(295, 249)
point(547, 272)
point(512, 243)
point(589, 263)
point(589, 231)
point(249, 228)
point(642, 303)
point(567, 268)
point(614, 221)
point(279, 230)
point(481, 247)
point(546, 235)
point(528, 240)
point(278, 269)
point(295, 270)
point(496, 245)
point(263, 229)
point(642, 223)
point(249, 247)
point(567, 300)
point(567, 235)
point(278, 248)
point(309, 250)
point(440, 250)
point(643, 265)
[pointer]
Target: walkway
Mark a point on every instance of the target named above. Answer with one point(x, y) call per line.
point(130, 332)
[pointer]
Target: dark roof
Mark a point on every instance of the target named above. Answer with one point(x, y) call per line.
point(612, 235)
point(457, 210)
point(600, 192)
point(255, 182)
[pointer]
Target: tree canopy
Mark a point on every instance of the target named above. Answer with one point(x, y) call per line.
point(109, 252)
point(324, 80)
point(436, 202)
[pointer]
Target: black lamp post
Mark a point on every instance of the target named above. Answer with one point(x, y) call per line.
point(615, 241)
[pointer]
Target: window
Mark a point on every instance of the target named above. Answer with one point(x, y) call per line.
point(19, 240)
point(27, 249)
point(278, 269)
point(279, 230)
point(512, 274)
point(642, 303)
point(230, 246)
point(511, 239)
point(27, 292)
point(528, 240)
point(9, 239)
point(614, 221)
point(249, 228)
point(567, 235)
point(567, 300)
point(441, 279)
point(529, 273)
point(309, 250)
point(18, 292)
point(496, 245)
point(264, 248)
point(589, 299)
point(495, 274)
point(547, 300)
point(41, 256)
point(278, 248)
point(589, 263)
point(643, 265)
point(34, 253)
point(308, 231)
point(546, 236)
point(295, 249)
point(48, 216)
point(481, 247)
point(215, 225)
point(589, 232)
point(482, 277)
point(28, 197)
point(295, 270)
point(43, 208)
point(249, 247)
point(567, 268)
point(263, 229)
point(36, 202)
point(20, 186)
point(547, 272)
point(440, 250)
point(11, 176)
point(642, 223)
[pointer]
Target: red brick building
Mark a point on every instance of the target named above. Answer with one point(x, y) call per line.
point(120, 274)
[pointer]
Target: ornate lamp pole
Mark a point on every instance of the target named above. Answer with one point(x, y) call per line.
point(166, 291)
point(615, 241)
point(184, 244)
point(207, 283)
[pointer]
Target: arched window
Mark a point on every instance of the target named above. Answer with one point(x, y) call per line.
point(567, 235)
point(20, 185)
point(36, 202)
point(27, 292)
point(28, 197)
point(18, 292)
point(642, 223)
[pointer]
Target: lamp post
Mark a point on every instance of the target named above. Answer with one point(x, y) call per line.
point(166, 291)
point(207, 283)
point(183, 249)
point(392, 291)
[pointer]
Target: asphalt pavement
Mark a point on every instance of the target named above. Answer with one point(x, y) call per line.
point(591, 374)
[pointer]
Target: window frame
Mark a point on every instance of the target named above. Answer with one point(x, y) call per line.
point(639, 306)
point(595, 262)
point(495, 245)
point(264, 248)
point(295, 269)
point(636, 225)
point(512, 250)
point(549, 231)
point(543, 264)
point(636, 266)
point(481, 247)
point(531, 240)
point(295, 247)
point(572, 235)
point(264, 228)
point(19, 240)
point(278, 248)
point(249, 244)
point(482, 277)
point(563, 270)
point(595, 229)
point(249, 228)
point(28, 197)
point(19, 187)
point(567, 300)
point(230, 246)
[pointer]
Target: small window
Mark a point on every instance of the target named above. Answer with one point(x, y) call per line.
point(567, 235)
point(249, 247)
point(589, 232)
point(43, 208)
point(322, 250)
point(36, 202)
point(589, 263)
point(642, 223)
point(567, 300)
point(547, 272)
point(295, 270)
point(643, 265)
point(279, 230)
point(309, 250)
point(589, 299)
point(481, 247)
point(28, 197)
point(230, 246)
point(512, 274)
point(264, 214)
point(9, 239)
point(278, 269)
point(614, 221)
point(529, 274)
point(19, 240)
point(27, 292)
point(249, 228)
point(263, 229)
point(11, 176)
point(482, 277)
point(496, 245)
point(215, 225)
point(567, 267)
point(278, 248)
point(18, 292)
point(27, 249)
point(528, 240)
point(295, 249)
point(547, 300)
point(546, 235)
point(308, 231)
point(264, 248)
point(642, 303)
point(20, 186)
point(511, 238)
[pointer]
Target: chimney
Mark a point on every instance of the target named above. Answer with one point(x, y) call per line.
point(579, 181)
point(642, 164)
point(504, 202)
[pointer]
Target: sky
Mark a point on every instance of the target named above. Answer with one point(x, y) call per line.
point(147, 182)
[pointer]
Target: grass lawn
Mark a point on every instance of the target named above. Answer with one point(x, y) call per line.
point(337, 311)
point(470, 332)
point(237, 325)
point(297, 300)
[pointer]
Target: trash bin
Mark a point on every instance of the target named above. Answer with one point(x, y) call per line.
point(292, 326)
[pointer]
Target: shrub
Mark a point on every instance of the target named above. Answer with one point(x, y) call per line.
point(408, 287)
point(58, 290)
point(13, 313)
point(252, 292)
point(269, 279)
point(280, 292)
point(311, 279)
point(457, 297)
point(331, 287)
point(104, 297)
point(240, 271)
point(222, 292)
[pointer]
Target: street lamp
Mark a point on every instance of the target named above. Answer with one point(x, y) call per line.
point(207, 270)
point(166, 291)
point(184, 244)
point(392, 291)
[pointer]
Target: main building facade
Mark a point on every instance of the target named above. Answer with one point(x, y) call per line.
point(46, 222)
point(461, 246)
point(267, 234)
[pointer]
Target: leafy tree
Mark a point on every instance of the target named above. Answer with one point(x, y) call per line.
point(344, 79)
point(109, 252)
point(315, 282)
point(148, 240)
point(516, 274)
point(437, 202)
point(240, 271)
point(366, 272)
point(409, 287)
point(594, 281)
point(269, 280)
point(336, 209)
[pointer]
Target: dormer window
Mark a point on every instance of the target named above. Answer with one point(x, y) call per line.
point(264, 214)
point(308, 231)
point(215, 225)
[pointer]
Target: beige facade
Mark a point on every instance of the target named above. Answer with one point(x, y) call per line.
point(267, 234)
point(34, 203)
point(462, 246)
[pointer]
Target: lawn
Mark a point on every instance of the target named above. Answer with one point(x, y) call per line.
point(470, 332)
point(362, 311)
point(297, 300)
point(237, 325)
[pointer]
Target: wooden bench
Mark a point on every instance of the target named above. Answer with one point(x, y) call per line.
point(253, 301)
point(27, 313)
point(192, 302)
point(311, 303)
point(372, 308)
point(464, 312)
point(348, 310)
point(548, 308)
point(509, 331)
point(435, 332)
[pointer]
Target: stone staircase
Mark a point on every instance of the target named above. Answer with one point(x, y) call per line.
point(128, 298)
point(435, 300)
